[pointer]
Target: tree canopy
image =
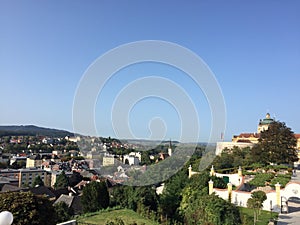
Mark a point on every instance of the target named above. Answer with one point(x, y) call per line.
point(210, 209)
point(37, 181)
point(28, 209)
point(63, 212)
point(61, 181)
point(95, 196)
point(277, 145)
point(256, 203)
point(233, 158)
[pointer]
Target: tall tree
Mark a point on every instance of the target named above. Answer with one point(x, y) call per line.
point(277, 144)
point(95, 196)
point(256, 203)
point(37, 181)
point(61, 181)
point(170, 199)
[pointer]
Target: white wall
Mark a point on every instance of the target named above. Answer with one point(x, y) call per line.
point(235, 179)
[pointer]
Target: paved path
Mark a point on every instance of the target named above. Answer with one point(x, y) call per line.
point(293, 217)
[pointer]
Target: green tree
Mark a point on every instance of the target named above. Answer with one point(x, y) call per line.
point(232, 158)
point(145, 160)
point(256, 203)
point(277, 144)
point(95, 196)
point(170, 199)
point(143, 200)
point(196, 187)
point(61, 181)
point(37, 181)
point(210, 209)
point(28, 209)
point(63, 212)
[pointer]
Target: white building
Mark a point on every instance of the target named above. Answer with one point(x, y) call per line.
point(136, 154)
point(230, 145)
point(131, 160)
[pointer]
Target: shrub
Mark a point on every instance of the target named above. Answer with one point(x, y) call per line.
point(261, 179)
point(283, 180)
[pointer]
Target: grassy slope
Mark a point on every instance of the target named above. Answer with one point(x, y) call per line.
point(263, 219)
point(128, 216)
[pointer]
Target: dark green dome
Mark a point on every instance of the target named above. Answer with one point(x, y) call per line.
point(267, 120)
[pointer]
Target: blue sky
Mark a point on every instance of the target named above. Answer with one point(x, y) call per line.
point(253, 48)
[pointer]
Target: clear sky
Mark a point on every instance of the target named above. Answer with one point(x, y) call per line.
point(252, 47)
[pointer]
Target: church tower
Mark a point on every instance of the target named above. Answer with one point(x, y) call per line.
point(170, 148)
point(264, 123)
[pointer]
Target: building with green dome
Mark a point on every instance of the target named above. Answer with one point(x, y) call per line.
point(264, 123)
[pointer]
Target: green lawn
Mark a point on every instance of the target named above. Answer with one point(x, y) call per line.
point(128, 216)
point(264, 217)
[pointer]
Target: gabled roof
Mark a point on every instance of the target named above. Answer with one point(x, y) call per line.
point(9, 188)
point(42, 190)
point(64, 198)
point(71, 201)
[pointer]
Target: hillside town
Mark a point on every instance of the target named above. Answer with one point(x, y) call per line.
point(61, 168)
point(149, 112)
point(23, 158)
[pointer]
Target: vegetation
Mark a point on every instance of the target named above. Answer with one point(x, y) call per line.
point(63, 212)
point(261, 179)
point(37, 181)
point(126, 215)
point(171, 197)
point(281, 179)
point(277, 145)
point(61, 181)
point(264, 217)
point(116, 221)
point(183, 201)
point(95, 196)
point(230, 159)
point(210, 209)
point(256, 203)
point(31, 130)
point(28, 209)
point(143, 200)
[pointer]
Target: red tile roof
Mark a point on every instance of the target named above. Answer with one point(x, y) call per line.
point(248, 135)
point(297, 136)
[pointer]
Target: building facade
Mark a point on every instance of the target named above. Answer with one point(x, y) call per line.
point(250, 139)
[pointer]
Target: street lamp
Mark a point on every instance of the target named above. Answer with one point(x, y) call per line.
point(6, 218)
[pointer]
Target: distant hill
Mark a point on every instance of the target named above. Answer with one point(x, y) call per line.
point(31, 130)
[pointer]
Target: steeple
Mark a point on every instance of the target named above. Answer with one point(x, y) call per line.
point(264, 123)
point(170, 148)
